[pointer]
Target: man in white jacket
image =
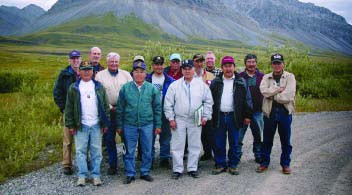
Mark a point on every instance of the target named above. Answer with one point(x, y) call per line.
point(183, 98)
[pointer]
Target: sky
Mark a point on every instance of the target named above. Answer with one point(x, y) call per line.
point(341, 7)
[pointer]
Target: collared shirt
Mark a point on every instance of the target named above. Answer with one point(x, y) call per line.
point(139, 86)
point(216, 71)
point(114, 73)
point(227, 95)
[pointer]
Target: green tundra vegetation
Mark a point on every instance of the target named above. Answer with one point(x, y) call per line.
point(31, 124)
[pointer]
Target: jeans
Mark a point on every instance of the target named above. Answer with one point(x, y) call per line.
point(278, 118)
point(110, 141)
point(92, 133)
point(146, 139)
point(226, 125)
point(208, 140)
point(257, 126)
point(164, 140)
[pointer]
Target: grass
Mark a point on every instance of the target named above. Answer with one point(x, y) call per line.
point(30, 122)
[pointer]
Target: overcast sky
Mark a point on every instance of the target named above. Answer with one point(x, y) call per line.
point(341, 7)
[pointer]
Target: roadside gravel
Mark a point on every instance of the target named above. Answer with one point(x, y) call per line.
point(321, 163)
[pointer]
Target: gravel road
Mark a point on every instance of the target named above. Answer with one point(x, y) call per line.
point(321, 164)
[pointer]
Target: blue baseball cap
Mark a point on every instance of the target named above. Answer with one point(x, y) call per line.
point(175, 56)
point(187, 63)
point(139, 64)
point(74, 53)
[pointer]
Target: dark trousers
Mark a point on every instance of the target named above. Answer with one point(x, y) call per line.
point(208, 139)
point(110, 141)
point(281, 120)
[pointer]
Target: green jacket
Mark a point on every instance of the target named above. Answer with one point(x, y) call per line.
point(73, 111)
point(138, 108)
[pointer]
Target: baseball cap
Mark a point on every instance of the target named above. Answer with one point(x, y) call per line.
point(158, 59)
point(141, 65)
point(277, 58)
point(138, 57)
point(227, 59)
point(198, 57)
point(74, 53)
point(85, 66)
point(187, 63)
point(175, 56)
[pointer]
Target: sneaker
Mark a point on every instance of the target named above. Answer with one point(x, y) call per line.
point(112, 171)
point(147, 178)
point(68, 171)
point(193, 174)
point(286, 170)
point(234, 171)
point(218, 170)
point(206, 157)
point(97, 182)
point(81, 181)
point(261, 169)
point(164, 163)
point(176, 175)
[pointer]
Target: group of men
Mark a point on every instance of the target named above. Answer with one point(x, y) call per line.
point(183, 102)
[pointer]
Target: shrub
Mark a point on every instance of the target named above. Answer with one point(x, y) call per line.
point(13, 81)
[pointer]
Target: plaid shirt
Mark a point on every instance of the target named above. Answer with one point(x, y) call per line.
point(216, 71)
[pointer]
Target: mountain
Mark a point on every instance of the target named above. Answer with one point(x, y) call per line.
point(251, 22)
point(13, 19)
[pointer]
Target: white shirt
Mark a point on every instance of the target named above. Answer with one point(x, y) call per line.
point(227, 95)
point(89, 103)
point(158, 82)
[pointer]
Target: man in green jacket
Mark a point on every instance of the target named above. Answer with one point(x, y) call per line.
point(86, 117)
point(138, 113)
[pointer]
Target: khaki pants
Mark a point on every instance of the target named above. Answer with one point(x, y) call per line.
point(67, 147)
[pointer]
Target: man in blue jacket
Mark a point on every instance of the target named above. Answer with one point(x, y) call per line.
point(138, 113)
point(162, 82)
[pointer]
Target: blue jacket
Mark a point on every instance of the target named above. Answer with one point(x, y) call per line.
point(167, 82)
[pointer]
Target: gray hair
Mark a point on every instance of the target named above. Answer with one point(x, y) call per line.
point(90, 51)
point(112, 55)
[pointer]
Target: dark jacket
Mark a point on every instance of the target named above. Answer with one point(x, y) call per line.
point(97, 69)
point(62, 83)
point(168, 80)
point(256, 95)
point(242, 109)
point(73, 110)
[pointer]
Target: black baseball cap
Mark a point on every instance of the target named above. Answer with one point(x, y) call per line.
point(277, 58)
point(158, 59)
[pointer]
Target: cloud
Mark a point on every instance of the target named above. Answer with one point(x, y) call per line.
point(47, 4)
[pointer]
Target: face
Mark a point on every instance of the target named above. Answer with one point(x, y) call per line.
point(175, 64)
point(139, 75)
point(198, 64)
point(188, 72)
point(210, 62)
point(251, 65)
point(86, 75)
point(158, 68)
point(75, 62)
point(228, 69)
point(113, 64)
point(95, 55)
point(277, 67)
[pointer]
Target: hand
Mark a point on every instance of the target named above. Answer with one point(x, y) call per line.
point(119, 131)
point(72, 131)
point(113, 109)
point(173, 125)
point(157, 131)
point(247, 121)
point(282, 89)
point(104, 130)
point(204, 121)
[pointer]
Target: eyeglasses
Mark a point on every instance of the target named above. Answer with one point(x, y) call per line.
point(175, 61)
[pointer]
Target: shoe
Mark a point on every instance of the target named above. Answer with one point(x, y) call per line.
point(81, 181)
point(258, 160)
point(206, 157)
point(147, 178)
point(112, 171)
point(68, 171)
point(286, 170)
point(261, 169)
point(129, 179)
point(234, 171)
point(193, 174)
point(218, 170)
point(164, 163)
point(176, 175)
point(97, 182)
